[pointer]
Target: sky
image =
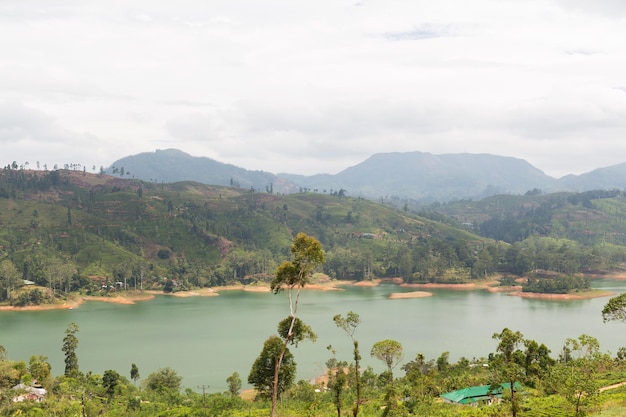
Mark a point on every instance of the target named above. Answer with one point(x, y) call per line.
point(308, 87)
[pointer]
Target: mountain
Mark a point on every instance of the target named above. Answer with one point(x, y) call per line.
point(396, 176)
point(172, 165)
point(427, 177)
point(601, 178)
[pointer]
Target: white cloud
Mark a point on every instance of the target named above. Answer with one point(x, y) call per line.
point(314, 86)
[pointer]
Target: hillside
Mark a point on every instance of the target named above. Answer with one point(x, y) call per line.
point(107, 229)
point(590, 218)
point(73, 231)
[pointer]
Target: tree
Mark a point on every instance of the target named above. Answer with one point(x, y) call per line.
point(443, 362)
point(110, 380)
point(58, 271)
point(9, 276)
point(234, 384)
point(349, 324)
point(537, 361)
point(39, 368)
point(390, 352)
point(505, 364)
point(292, 276)
point(163, 380)
point(134, 373)
point(9, 375)
point(262, 372)
point(70, 344)
point(336, 379)
point(615, 309)
point(575, 377)
point(417, 372)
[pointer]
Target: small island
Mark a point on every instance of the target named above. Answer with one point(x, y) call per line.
point(412, 294)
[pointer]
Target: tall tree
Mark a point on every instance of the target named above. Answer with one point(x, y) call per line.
point(292, 276)
point(9, 276)
point(234, 384)
point(70, 344)
point(505, 364)
point(134, 373)
point(349, 324)
point(390, 352)
point(59, 271)
point(336, 379)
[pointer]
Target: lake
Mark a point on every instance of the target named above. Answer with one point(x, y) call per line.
point(206, 339)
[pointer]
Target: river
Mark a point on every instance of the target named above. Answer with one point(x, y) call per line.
point(206, 339)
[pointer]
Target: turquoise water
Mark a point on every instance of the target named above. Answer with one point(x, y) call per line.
point(206, 339)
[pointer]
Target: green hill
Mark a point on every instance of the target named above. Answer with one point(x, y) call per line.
point(114, 232)
point(590, 217)
point(69, 231)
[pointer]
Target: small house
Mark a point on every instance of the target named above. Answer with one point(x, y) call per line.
point(482, 394)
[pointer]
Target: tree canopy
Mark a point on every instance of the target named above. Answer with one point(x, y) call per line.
point(615, 309)
point(262, 373)
point(389, 351)
point(165, 379)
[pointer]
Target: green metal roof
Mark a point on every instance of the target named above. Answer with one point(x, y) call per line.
point(478, 393)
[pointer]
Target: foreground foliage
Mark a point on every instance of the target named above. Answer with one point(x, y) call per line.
point(570, 385)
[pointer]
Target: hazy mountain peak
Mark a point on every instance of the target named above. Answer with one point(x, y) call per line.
point(414, 175)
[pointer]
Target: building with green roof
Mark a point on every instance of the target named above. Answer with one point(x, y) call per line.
point(478, 394)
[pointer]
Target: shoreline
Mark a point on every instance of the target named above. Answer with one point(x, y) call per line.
point(335, 285)
point(76, 302)
point(571, 296)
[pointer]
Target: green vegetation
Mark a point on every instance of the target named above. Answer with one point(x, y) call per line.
point(291, 276)
point(70, 344)
point(71, 232)
point(64, 233)
point(68, 232)
point(556, 284)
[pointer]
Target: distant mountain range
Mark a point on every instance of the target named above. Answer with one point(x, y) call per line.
point(409, 176)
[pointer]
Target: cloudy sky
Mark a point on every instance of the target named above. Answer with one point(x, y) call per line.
point(305, 86)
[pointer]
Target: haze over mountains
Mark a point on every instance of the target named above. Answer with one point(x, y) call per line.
point(416, 176)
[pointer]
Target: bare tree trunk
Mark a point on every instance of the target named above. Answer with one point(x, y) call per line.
point(293, 307)
point(357, 357)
